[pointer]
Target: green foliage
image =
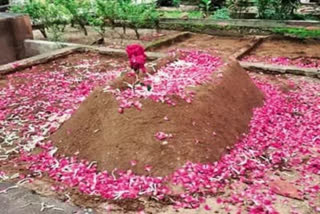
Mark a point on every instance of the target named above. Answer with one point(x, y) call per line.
point(297, 32)
point(263, 8)
point(53, 17)
point(55, 33)
point(194, 14)
point(177, 14)
point(79, 10)
point(276, 9)
point(176, 3)
point(123, 13)
point(222, 13)
point(35, 9)
point(55, 14)
point(205, 6)
point(105, 12)
point(139, 15)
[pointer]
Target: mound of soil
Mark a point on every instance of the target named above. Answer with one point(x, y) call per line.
point(201, 131)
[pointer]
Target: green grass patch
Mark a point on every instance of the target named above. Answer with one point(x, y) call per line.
point(298, 32)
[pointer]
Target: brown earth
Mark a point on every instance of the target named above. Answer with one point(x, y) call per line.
point(102, 63)
point(3, 83)
point(218, 45)
point(289, 47)
point(98, 132)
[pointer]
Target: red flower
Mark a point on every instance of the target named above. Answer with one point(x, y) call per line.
point(135, 50)
point(137, 57)
point(137, 62)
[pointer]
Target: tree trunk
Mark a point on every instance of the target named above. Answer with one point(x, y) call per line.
point(137, 33)
point(43, 32)
point(83, 27)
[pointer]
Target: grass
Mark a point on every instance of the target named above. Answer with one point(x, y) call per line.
point(298, 32)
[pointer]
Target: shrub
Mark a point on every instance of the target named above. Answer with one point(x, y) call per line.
point(79, 11)
point(205, 6)
point(222, 13)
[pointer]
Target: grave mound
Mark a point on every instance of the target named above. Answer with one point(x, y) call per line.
point(200, 131)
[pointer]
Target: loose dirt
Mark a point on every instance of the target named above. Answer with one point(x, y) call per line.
point(3, 83)
point(222, 46)
point(102, 63)
point(217, 117)
point(96, 61)
point(292, 48)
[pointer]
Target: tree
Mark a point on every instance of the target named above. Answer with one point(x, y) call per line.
point(106, 12)
point(140, 15)
point(79, 11)
point(47, 15)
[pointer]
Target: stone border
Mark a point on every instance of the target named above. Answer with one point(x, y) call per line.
point(179, 37)
point(254, 43)
point(270, 68)
point(247, 22)
point(278, 69)
point(238, 27)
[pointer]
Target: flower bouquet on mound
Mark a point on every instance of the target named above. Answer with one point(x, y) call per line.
point(137, 60)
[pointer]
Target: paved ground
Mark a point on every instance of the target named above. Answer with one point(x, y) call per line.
point(23, 201)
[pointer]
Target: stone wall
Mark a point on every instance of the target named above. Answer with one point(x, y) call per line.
point(14, 29)
point(143, 1)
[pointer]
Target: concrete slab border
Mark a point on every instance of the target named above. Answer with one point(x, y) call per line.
point(168, 40)
point(278, 69)
point(254, 43)
point(35, 60)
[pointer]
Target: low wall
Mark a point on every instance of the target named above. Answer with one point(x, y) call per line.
point(14, 29)
point(246, 22)
point(240, 27)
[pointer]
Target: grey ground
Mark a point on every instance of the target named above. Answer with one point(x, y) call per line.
point(23, 201)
